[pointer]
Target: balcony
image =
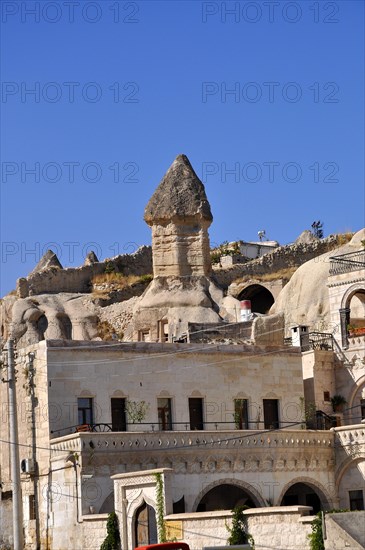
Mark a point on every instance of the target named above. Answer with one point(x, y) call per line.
point(177, 427)
point(345, 263)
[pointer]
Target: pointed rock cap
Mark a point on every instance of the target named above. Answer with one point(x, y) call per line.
point(91, 258)
point(49, 259)
point(180, 194)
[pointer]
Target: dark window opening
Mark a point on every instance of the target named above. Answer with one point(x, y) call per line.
point(356, 500)
point(301, 494)
point(241, 414)
point(164, 413)
point(85, 410)
point(65, 326)
point(42, 325)
point(326, 396)
point(32, 510)
point(196, 413)
point(271, 414)
point(362, 408)
point(163, 331)
point(261, 298)
point(178, 507)
point(119, 422)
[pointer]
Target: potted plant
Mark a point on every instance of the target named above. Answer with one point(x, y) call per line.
point(338, 401)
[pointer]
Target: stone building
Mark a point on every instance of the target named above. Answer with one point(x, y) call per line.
point(209, 410)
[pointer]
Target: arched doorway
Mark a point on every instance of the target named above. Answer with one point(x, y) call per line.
point(261, 298)
point(225, 497)
point(145, 526)
point(302, 494)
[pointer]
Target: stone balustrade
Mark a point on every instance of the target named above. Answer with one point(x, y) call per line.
point(202, 440)
point(352, 435)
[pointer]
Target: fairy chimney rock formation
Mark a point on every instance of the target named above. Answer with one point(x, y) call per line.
point(182, 291)
point(179, 214)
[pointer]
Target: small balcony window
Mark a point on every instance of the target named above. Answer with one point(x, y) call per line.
point(164, 413)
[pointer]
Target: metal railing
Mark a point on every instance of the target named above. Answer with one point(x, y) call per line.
point(324, 421)
point(344, 263)
point(313, 341)
point(316, 341)
point(155, 427)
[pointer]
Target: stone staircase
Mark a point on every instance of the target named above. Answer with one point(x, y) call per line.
point(345, 530)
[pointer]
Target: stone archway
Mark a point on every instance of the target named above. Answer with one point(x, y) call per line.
point(261, 298)
point(350, 480)
point(354, 401)
point(228, 493)
point(305, 492)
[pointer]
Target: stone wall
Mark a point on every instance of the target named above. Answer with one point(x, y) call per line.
point(6, 522)
point(75, 280)
point(293, 255)
point(283, 527)
point(93, 531)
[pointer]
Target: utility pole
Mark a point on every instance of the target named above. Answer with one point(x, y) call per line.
point(14, 451)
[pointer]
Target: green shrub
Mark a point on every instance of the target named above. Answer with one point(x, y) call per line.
point(238, 531)
point(316, 537)
point(112, 541)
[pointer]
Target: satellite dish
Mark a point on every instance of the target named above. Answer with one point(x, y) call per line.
point(261, 234)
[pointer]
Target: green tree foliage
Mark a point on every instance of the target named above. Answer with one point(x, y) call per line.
point(317, 229)
point(316, 536)
point(112, 541)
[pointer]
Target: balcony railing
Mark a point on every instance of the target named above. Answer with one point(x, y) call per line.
point(155, 427)
point(316, 341)
point(313, 341)
point(344, 263)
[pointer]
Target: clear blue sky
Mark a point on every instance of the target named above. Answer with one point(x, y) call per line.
point(121, 88)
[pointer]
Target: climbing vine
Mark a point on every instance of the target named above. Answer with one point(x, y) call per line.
point(160, 501)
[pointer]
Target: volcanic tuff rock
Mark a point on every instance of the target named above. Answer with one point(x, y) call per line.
point(304, 300)
point(180, 195)
point(49, 259)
